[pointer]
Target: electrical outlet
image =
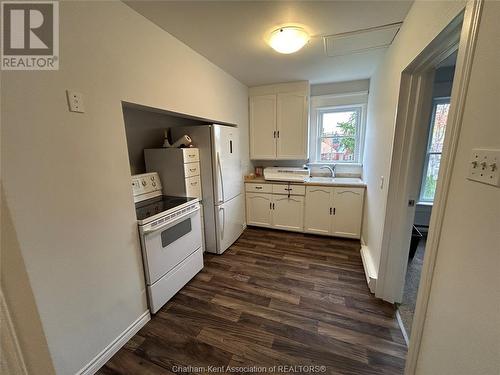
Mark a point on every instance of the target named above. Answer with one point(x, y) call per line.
point(75, 101)
point(484, 166)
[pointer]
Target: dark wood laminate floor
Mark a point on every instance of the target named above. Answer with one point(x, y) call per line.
point(273, 298)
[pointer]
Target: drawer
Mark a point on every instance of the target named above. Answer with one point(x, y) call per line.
point(191, 169)
point(258, 188)
point(289, 189)
point(190, 155)
point(193, 187)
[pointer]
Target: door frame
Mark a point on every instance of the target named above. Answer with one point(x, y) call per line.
point(460, 34)
point(12, 355)
point(412, 114)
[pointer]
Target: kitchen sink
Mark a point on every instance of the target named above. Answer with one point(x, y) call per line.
point(323, 180)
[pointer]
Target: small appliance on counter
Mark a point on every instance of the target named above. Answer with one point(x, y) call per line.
point(184, 141)
point(171, 238)
point(287, 174)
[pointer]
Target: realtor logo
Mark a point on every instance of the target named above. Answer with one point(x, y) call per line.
point(30, 35)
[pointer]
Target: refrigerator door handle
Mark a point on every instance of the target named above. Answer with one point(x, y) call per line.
point(221, 179)
point(223, 222)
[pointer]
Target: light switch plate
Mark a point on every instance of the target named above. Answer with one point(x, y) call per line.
point(75, 101)
point(484, 166)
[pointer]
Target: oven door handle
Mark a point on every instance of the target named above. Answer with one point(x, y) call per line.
point(169, 224)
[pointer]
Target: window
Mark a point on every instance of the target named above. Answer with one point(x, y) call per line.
point(339, 135)
point(437, 129)
point(337, 129)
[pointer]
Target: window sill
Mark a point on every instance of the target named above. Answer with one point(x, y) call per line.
point(318, 164)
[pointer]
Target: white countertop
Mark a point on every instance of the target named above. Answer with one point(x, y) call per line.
point(317, 181)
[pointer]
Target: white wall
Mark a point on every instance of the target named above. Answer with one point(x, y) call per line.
point(340, 87)
point(423, 23)
point(66, 176)
point(462, 328)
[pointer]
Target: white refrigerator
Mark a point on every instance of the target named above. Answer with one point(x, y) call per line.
point(222, 183)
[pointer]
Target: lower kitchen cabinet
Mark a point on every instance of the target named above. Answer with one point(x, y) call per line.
point(330, 211)
point(335, 211)
point(259, 208)
point(288, 212)
point(276, 211)
point(347, 212)
point(318, 218)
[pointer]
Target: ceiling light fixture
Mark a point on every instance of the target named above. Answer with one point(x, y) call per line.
point(288, 39)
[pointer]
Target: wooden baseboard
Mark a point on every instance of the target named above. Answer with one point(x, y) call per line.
point(402, 328)
point(100, 359)
point(369, 267)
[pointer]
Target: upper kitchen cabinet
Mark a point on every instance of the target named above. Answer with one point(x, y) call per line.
point(263, 127)
point(278, 121)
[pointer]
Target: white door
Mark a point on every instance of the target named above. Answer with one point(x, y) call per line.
point(263, 127)
point(259, 209)
point(288, 213)
point(292, 126)
point(230, 222)
point(228, 175)
point(318, 210)
point(348, 211)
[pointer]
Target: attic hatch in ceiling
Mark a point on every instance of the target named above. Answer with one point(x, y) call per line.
point(360, 40)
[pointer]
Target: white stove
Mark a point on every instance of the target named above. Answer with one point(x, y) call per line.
point(171, 238)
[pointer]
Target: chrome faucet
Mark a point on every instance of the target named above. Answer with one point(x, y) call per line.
point(332, 170)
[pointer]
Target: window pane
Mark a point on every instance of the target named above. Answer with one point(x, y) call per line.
point(431, 176)
point(439, 126)
point(339, 123)
point(337, 149)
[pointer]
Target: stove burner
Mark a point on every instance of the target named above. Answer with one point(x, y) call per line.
point(154, 206)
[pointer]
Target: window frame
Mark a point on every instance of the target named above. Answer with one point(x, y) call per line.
point(435, 102)
point(319, 136)
point(347, 99)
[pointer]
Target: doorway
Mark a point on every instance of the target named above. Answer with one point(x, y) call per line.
point(413, 113)
point(429, 156)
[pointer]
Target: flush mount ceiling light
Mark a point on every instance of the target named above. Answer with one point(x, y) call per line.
point(288, 39)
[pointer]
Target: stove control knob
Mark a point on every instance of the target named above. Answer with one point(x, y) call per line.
point(144, 182)
point(154, 184)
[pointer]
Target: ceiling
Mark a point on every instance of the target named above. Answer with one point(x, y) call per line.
point(232, 35)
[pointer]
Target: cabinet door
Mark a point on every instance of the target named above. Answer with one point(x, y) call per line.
point(288, 213)
point(348, 212)
point(263, 127)
point(292, 126)
point(259, 209)
point(318, 210)
point(193, 187)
